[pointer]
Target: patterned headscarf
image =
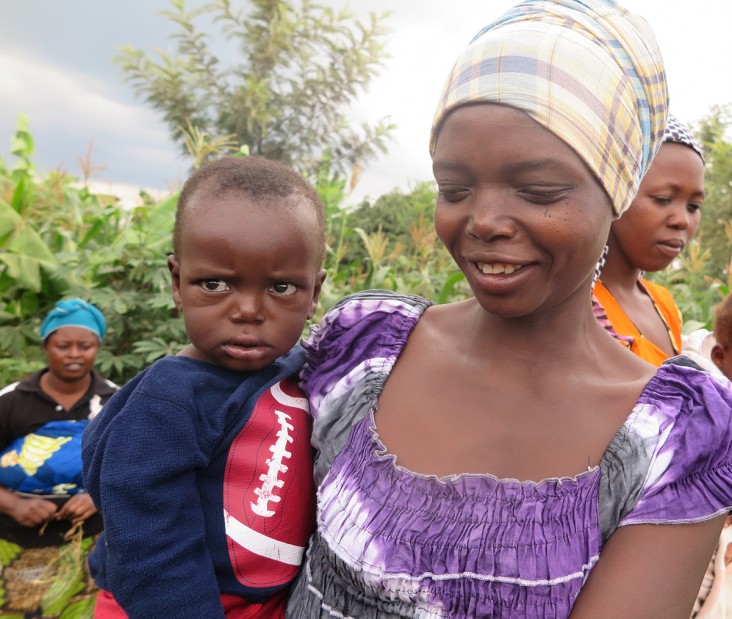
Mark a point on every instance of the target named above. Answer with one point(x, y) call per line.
point(589, 71)
point(74, 313)
point(678, 133)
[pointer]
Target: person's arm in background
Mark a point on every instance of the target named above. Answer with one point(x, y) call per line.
point(29, 512)
point(78, 508)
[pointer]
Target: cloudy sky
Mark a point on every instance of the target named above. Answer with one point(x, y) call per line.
point(56, 67)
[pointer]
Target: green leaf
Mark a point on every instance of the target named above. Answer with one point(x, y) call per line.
point(449, 286)
point(81, 609)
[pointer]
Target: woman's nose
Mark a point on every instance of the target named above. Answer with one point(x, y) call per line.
point(679, 217)
point(490, 217)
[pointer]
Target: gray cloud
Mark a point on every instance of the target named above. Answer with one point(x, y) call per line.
point(56, 66)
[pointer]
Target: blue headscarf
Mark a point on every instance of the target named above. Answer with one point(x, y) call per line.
point(74, 313)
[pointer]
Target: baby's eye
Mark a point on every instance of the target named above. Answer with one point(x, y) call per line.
point(283, 289)
point(694, 208)
point(215, 285)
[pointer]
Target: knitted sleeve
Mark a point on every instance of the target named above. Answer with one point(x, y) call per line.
point(140, 461)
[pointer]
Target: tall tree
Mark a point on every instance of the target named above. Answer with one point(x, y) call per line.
point(294, 72)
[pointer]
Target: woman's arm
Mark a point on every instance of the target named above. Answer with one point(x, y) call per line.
point(78, 508)
point(649, 571)
point(28, 512)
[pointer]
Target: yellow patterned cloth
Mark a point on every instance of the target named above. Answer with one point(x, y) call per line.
point(589, 71)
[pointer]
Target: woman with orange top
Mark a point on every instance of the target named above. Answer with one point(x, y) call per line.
point(658, 225)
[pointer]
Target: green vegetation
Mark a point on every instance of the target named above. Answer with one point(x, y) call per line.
point(58, 239)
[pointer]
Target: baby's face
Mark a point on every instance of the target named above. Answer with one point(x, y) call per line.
point(247, 277)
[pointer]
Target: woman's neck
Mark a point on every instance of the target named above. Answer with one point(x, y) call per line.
point(65, 392)
point(568, 332)
point(618, 274)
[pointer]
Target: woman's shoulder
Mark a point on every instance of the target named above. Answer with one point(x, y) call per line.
point(103, 386)
point(362, 306)
point(359, 337)
point(692, 411)
point(365, 325)
point(671, 462)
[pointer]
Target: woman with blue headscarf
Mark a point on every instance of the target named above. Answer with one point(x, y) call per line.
point(503, 456)
point(43, 504)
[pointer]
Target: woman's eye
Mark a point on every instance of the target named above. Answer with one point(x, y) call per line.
point(452, 193)
point(214, 285)
point(283, 289)
point(544, 196)
point(662, 200)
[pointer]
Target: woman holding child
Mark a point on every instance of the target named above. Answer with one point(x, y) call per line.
point(503, 456)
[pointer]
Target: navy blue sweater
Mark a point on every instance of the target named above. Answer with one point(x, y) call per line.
point(204, 478)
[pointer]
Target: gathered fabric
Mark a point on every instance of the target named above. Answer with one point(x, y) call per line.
point(391, 542)
point(590, 72)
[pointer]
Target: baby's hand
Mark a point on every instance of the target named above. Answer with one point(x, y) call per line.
point(77, 509)
point(32, 512)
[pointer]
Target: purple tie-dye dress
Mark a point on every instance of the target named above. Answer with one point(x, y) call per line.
point(392, 543)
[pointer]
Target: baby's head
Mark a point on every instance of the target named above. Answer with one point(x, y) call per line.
point(665, 213)
point(722, 350)
point(248, 243)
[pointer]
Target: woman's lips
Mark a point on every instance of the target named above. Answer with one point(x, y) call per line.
point(671, 248)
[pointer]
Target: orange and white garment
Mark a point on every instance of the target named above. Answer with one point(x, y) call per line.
point(612, 316)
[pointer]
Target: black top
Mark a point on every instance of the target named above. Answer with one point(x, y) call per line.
point(24, 408)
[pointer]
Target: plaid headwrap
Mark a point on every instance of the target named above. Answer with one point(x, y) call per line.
point(679, 133)
point(587, 70)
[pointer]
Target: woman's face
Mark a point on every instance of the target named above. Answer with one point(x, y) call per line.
point(520, 212)
point(664, 214)
point(71, 353)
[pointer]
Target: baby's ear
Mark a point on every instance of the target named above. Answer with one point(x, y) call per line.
point(174, 268)
point(717, 355)
point(320, 278)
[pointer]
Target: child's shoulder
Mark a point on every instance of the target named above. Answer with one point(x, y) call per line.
point(176, 367)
